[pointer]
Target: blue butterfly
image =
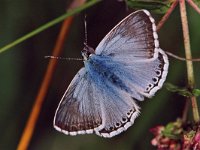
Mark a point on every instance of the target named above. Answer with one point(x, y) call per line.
point(126, 66)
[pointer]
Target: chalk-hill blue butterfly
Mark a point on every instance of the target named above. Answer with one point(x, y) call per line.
point(126, 66)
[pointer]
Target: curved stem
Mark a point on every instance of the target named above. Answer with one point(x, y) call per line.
point(33, 117)
point(48, 25)
point(190, 71)
point(30, 125)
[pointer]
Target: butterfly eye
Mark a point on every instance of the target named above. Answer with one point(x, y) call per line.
point(87, 51)
point(85, 54)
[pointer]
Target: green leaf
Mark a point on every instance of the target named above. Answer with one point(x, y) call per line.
point(171, 136)
point(190, 134)
point(157, 6)
point(196, 92)
point(173, 130)
point(181, 91)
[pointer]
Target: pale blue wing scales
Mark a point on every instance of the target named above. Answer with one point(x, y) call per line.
point(128, 64)
point(104, 69)
point(119, 111)
point(79, 111)
point(134, 44)
point(144, 76)
point(134, 36)
point(149, 75)
point(138, 78)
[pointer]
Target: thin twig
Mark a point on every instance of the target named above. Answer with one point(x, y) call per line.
point(185, 110)
point(181, 58)
point(194, 6)
point(167, 14)
point(190, 72)
point(28, 131)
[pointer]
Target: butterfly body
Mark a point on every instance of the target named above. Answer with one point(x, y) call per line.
point(107, 71)
point(126, 66)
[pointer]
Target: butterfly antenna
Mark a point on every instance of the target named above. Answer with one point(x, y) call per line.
point(55, 57)
point(85, 25)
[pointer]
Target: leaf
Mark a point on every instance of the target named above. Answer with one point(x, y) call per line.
point(157, 6)
point(196, 92)
point(173, 130)
point(181, 91)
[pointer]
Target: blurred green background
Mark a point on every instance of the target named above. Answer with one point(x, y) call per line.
point(22, 69)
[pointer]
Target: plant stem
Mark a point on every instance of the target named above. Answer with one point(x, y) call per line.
point(185, 111)
point(194, 6)
point(166, 16)
point(33, 117)
point(190, 72)
point(48, 25)
point(34, 114)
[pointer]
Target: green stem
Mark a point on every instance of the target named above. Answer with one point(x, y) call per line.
point(190, 72)
point(49, 24)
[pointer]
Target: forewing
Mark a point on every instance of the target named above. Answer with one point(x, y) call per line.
point(79, 110)
point(134, 37)
point(134, 44)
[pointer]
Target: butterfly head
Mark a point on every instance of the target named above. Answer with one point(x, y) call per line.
point(87, 51)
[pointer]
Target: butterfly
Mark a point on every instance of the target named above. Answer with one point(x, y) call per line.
point(126, 66)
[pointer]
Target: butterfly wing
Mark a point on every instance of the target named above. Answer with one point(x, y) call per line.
point(134, 43)
point(135, 36)
point(148, 76)
point(79, 110)
point(87, 108)
point(119, 111)
point(93, 103)
point(118, 108)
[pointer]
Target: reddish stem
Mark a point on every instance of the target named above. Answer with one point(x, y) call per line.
point(30, 125)
point(188, 54)
point(194, 5)
point(166, 16)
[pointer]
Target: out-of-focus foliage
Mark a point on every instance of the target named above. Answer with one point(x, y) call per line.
point(22, 69)
point(176, 135)
point(157, 6)
point(173, 130)
point(197, 2)
point(196, 92)
point(182, 91)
